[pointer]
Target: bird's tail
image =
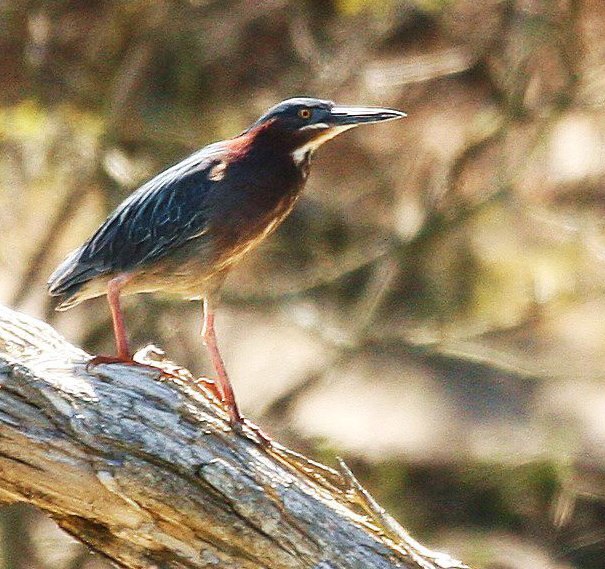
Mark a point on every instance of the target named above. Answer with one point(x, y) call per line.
point(65, 282)
point(62, 277)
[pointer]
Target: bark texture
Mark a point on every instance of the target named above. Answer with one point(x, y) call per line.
point(146, 471)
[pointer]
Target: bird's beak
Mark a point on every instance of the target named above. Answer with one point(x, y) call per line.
point(352, 116)
point(337, 121)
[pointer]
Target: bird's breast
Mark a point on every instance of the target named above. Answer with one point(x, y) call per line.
point(251, 189)
point(249, 228)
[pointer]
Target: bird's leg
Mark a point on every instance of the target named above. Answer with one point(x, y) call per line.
point(114, 288)
point(167, 370)
point(223, 384)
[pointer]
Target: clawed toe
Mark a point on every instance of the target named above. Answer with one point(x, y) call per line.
point(101, 360)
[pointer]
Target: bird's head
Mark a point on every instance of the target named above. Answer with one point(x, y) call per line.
point(306, 123)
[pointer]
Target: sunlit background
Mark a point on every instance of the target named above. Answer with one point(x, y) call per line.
point(433, 311)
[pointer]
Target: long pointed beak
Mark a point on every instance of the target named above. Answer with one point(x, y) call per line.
point(342, 116)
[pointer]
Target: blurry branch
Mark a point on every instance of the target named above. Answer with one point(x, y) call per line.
point(127, 78)
point(470, 153)
point(148, 472)
point(417, 69)
point(388, 248)
point(135, 63)
point(351, 50)
point(55, 232)
point(572, 48)
point(223, 17)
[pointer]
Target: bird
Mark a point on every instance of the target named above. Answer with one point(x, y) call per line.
point(185, 229)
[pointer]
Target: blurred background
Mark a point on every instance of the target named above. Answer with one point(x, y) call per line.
point(432, 310)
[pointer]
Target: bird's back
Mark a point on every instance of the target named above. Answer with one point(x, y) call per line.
point(190, 221)
point(158, 217)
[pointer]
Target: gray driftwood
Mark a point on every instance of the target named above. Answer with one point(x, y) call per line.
point(146, 471)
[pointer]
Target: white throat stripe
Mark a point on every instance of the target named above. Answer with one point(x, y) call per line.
point(300, 154)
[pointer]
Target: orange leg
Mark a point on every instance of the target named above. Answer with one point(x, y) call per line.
point(119, 329)
point(223, 385)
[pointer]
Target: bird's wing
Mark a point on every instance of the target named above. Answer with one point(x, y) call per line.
point(160, 216)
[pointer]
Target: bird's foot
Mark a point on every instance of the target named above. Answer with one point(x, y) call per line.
point(103, 360)
point(166, 371)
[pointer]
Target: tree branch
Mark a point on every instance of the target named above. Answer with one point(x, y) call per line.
point(147, 472)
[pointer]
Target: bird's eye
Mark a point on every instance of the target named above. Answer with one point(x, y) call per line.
point(305, 114)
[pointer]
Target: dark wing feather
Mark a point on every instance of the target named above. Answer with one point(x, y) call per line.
point(164, 213)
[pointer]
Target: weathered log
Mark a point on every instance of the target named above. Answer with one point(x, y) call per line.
point(145, 470)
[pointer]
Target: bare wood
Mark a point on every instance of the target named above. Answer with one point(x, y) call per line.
point(147, 472)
